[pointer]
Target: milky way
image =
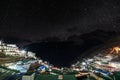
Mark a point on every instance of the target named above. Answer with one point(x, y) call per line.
point(88, 23)
point(35, 20)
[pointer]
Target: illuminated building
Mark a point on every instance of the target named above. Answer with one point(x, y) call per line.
point(13, 50)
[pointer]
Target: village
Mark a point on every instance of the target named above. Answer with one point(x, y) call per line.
point(27, 66)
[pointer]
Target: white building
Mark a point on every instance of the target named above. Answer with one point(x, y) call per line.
point(28, 77)
point(9, 49)
point(13, 50)
point(22, 53)
point(30, 54)
point(115, 64)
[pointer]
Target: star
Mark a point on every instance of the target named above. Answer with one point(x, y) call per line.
point(114, 26)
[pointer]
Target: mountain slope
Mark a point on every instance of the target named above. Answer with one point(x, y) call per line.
point(62, 53)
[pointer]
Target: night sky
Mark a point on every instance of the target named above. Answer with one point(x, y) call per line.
point(36, 20)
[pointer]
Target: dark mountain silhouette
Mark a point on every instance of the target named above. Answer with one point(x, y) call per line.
point(62, 53)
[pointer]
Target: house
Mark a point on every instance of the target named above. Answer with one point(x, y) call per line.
point(28, 76)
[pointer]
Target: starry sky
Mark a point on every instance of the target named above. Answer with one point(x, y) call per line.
point(31, 21)
point(38, 19)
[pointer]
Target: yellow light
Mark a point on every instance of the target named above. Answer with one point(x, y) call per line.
point(115, 49)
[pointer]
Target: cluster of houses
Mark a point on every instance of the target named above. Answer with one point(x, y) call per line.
point(109, 62)
point(13, 50)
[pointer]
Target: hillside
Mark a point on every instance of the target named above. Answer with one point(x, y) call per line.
point(76, 46)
